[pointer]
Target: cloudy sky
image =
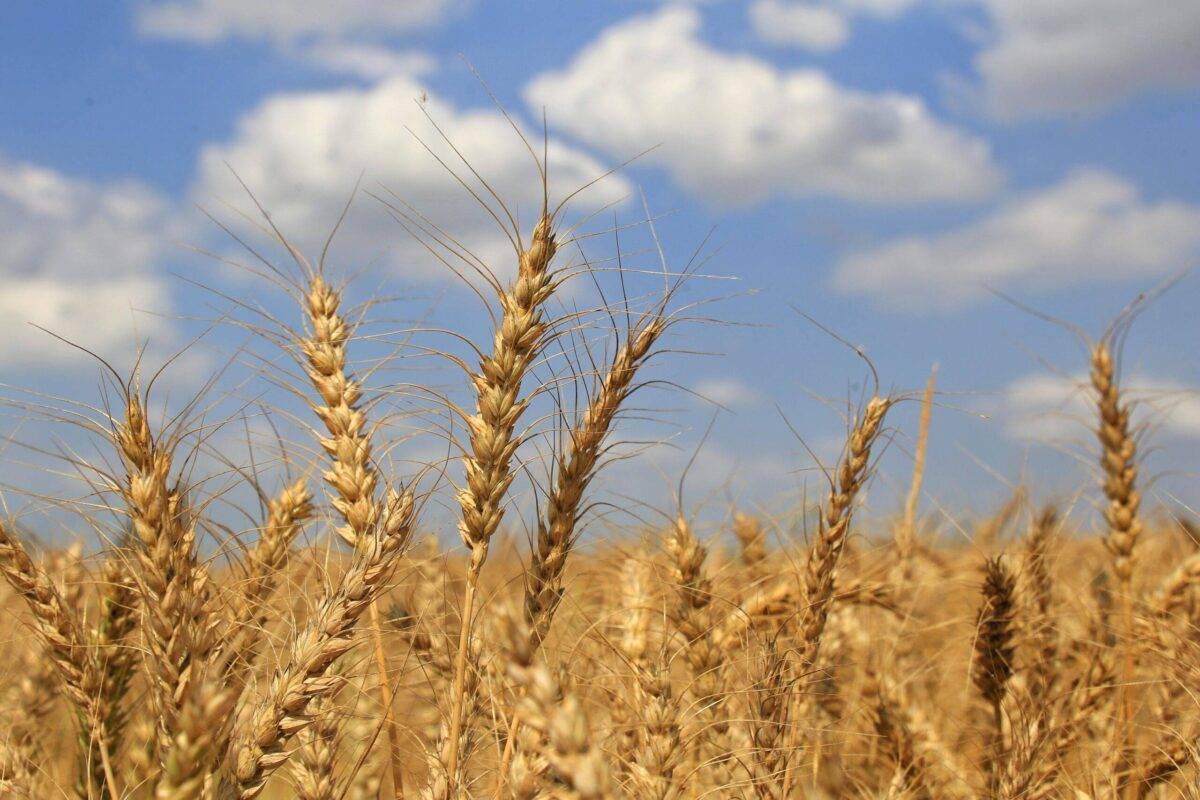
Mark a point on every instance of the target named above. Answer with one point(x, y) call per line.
point(884, 166)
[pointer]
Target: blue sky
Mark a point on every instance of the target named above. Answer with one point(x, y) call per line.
point(876, 164)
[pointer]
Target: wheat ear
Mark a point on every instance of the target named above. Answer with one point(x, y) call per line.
point(771, 709)
point(116, 659)
point(352, 474)
point(27, 708)
point(176, 632)
point(993, 665)
point(920, 759)
point(556, 534)
point(326, 635)
point(752, 544)
point(1038, 590)
point(313, 776)
point(821, 568)
point(658, 746)
point(196, 741)
point(577, 769)
point(692, 617)
point(286, 515)
point(517, 340)
point(1173, 592)
point(57, 627)
point(1118, 462)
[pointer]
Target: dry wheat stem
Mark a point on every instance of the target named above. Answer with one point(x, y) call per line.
point(907, 531)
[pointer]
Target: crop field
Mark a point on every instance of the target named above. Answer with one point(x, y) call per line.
point(371, 627)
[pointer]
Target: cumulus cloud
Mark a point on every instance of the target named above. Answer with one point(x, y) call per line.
point(878, 8)
point(301, 153)
point(737, 130)
point(1047, 58)
point(77, 258)
point(286, 21)
point(819, 25)
point(807, 25)
point(1055, 407)
point(369, 61)
point(1091, 226)
point(727, 391)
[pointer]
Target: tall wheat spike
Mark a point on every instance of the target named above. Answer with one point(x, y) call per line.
point(352, 474)
point(177, 629)
point(821, 567)
point(286, 515)
point(1118, 462)
point(303, 678)
point(499, 404)
point(543, 590)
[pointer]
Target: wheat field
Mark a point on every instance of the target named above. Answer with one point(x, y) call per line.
point(349, 642)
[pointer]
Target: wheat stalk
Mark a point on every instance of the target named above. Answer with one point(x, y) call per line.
point(906, 532)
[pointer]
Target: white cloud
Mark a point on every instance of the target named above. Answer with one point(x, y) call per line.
point(286, 21)
point(1052, 407)
point(99, 315)
point(819, 25)
point(877, 8)
point(737, 130)
point(1091, 226)
point(727, 391)
point(806, 25)
point(369, 61)
point(77, 259)
point(301, 153)
point(1080, 55)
